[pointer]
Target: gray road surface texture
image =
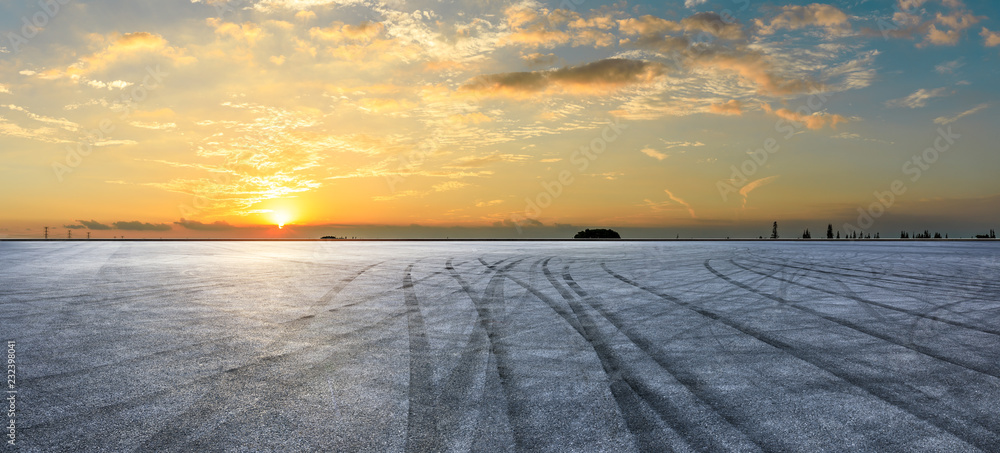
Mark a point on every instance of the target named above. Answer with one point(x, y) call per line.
point(487, 346)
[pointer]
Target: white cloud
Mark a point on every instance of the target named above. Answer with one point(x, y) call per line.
point(152, 125)
point(693, 3)
point(271, 5)
point(61, 122)
point(948, 120)
point(918, 99)
point(42, 134)
point(654, 153)
point(4, 89)
point(119, 84)
point(949, 67)
point(682, 144)
point(115, 142)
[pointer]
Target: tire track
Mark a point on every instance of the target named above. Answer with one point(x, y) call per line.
point(421, 421)
point(901, 396)
point(938, 280)
point(243, 381)
point(465, 393)
point(330, 295)
point(641, 423)
point(690, 426)
point(862, 300)
point(860, 328)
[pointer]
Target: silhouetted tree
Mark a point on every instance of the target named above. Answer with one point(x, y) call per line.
point(599, 233)
point(806, 235)
point(774, 231)
point(829, 231)
point(876, 235)
point(838, 234)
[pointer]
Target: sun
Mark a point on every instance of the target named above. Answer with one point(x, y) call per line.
point(281, 218)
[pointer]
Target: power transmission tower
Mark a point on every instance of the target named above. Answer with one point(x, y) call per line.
point(69, 234)
point(88, 235)
point(46, 232)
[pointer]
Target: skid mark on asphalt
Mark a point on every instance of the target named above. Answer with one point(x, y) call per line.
point(870, 331)
point(207, 414)
point(421, 421)
point(861, 300)
point(901, 396)
point(331, 295)
point(462, 399)
point(915, 286)
point(698, 411)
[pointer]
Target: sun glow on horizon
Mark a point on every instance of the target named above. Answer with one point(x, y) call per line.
point(281, 218)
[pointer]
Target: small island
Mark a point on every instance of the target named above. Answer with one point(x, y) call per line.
point(599, 233)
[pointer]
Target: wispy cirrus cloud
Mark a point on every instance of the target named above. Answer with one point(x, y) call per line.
point(918, 98)
point(951, 119)
point(681, 202)
point(751, 186)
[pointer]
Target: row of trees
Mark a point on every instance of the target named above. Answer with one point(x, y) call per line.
point(992, 235)
point(806, 234)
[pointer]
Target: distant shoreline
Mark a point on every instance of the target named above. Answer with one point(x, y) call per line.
point(795, 240)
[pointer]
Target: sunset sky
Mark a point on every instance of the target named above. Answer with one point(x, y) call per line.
point(400, 118)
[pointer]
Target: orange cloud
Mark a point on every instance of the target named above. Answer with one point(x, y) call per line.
point(532, 28)
point(815, 121)
point(957, 22)
point(733, 107)
point(471, 118)
point(713, 24)
point(794, 17)
point(124, 47)
point(247, 32)
point(647, 25)
point(386, 105)
point(340, 32)
point(757, 69)
point(652, 28)
point(990, 38)
point(305, 16)
point(591, 78)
